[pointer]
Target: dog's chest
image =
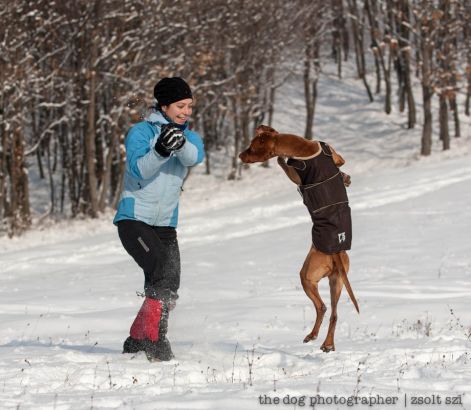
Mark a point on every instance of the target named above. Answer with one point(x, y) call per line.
point(315, 169)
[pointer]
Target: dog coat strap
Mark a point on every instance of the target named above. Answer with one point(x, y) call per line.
point(325, 148)
point(297, 164)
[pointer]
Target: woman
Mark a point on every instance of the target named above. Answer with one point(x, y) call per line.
point(159, 151)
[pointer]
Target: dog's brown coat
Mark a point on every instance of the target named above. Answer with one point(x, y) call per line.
point(267, 144)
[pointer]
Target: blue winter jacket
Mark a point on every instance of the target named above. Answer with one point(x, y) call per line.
point(152, 183)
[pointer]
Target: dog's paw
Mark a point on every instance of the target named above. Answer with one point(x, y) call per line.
point(309, 338)
point(327, 348)
point(281, 161)
point(347, 180)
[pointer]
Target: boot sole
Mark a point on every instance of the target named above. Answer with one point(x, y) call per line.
point(133, 346)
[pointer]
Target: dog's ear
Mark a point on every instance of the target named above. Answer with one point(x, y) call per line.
point(265, 128)
point(262, 142)
point(262, 137)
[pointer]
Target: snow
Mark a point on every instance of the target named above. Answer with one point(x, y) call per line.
point(68, 292)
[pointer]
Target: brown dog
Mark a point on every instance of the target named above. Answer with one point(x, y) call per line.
point(313, 166)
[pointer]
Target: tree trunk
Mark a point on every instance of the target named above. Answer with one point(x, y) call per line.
point(271, 105)
point(443, 119)
point(456, 116)
point(90, 147)
point(358, 43)
point(308, 98)
point(20, 212)
point(237, 137)
point(311, 73)
point(404, 22)
point(426, 148)
point(120, 172)
point(338, 33)
point(34, 130)
point(3, 172)
point(106, 176)
point(426, 51)
point(468, 88)
point(411, 113)
point(52, 193)
point(387, 79)
point(374, 32)
point(467, 39)
point(208, 141)
point(244, 126)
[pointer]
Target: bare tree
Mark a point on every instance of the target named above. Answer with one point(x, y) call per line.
point(315, 30)
point(467, 43)
point(74, 79)
point(426, 32)
point(339, 35)
point(357, 26)
point(15, 210)
point(402, 30)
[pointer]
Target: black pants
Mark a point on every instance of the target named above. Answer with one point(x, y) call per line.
point(155, 249)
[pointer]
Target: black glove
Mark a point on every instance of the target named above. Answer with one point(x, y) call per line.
point(171, 138)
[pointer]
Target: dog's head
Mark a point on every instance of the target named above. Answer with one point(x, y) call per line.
point(262, 147)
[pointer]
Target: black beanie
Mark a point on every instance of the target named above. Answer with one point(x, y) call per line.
point(171, 89)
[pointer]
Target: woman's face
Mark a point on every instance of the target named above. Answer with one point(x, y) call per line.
point(179, 112)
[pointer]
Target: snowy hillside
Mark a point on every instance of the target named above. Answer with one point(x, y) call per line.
point(68, 293)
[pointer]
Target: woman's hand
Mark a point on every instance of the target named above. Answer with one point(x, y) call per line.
point(170, 139)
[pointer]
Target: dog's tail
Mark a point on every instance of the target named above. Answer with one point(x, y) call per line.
point(338, 261)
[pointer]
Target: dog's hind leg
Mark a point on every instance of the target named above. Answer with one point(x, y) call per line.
point(313, 293)
point(336, 284)
point(313, 270)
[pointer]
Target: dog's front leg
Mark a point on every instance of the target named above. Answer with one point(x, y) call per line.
point(289, 171)
point(339, 161)
point(346, 179)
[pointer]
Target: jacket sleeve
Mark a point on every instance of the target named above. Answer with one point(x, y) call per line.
point(192, 152)
point(142, 160)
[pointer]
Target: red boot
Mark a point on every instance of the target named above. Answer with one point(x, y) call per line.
point(146, 324)
point(148, 332)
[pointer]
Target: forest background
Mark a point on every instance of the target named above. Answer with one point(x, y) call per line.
point(74, 79)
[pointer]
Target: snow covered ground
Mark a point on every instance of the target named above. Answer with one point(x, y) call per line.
point(68, 293)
